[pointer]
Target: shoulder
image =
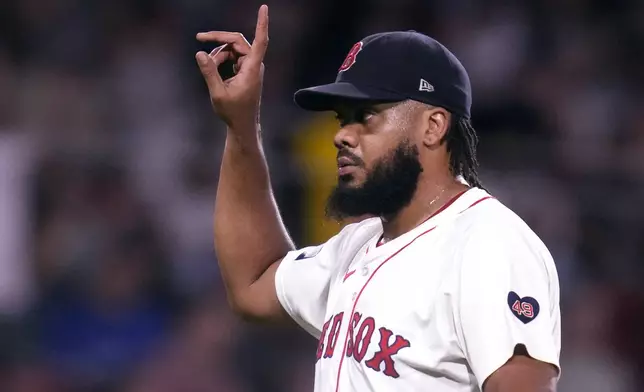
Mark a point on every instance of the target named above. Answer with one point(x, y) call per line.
point(368, 225)
point(351, 236)
point(491, 221)
point(356, 234)
point(495, 240)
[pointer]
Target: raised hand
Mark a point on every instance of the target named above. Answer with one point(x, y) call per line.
point(236, 100)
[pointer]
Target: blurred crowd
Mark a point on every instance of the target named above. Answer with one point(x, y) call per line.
point(109, 157)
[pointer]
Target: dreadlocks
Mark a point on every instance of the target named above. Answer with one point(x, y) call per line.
point(461, 141)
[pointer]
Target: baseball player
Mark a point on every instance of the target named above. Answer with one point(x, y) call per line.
point(437, 286)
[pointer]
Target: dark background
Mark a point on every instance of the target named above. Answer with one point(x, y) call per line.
point(109, 156)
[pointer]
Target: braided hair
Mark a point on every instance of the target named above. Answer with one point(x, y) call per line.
point(462, 140)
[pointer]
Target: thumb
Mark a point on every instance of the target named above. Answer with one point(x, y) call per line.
point(210, 72)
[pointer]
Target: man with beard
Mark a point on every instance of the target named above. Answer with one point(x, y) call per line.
point(443, 288)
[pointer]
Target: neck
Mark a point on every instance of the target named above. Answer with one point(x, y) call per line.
point(430, 197)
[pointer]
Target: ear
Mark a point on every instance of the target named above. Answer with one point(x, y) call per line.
point(436, 122)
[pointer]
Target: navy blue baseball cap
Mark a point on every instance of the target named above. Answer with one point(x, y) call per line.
point(392, 67)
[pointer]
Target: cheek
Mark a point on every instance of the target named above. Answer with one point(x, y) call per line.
point(369, 158)
point(370, 163)
point(376, 147)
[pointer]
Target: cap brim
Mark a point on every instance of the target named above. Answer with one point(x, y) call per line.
point(329, 96)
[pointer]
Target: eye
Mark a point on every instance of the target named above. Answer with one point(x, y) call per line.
point(364, 115)
point(343, 120)
point(361, 116)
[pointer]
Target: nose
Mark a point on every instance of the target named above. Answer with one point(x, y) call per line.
point(346, 137)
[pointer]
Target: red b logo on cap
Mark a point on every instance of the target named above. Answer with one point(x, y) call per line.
point(351, 57)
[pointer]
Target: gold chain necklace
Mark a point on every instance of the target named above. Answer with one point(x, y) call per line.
point(382, 239)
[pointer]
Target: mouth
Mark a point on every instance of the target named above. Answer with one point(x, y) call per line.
point(346, 170)
point(346, 166)
point(345, 161)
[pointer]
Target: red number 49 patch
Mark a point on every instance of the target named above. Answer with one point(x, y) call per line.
point(523, 308)
point(351, 57)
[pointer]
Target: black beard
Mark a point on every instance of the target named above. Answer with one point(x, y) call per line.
point(389, 187)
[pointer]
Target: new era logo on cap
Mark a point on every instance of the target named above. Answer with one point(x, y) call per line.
point(425, 86)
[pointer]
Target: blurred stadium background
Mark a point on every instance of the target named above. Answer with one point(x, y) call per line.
point(109, 158)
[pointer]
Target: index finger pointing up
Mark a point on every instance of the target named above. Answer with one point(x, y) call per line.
point(260, 43)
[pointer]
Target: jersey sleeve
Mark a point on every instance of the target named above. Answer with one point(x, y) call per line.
point(508, 296)
point(302, 283)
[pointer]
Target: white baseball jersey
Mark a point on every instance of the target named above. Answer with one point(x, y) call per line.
point(438, 309)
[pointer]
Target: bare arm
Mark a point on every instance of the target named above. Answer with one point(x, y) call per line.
point(249, 235)
point(522, 373)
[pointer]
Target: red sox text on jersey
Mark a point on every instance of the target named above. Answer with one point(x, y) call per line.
point(361, 331)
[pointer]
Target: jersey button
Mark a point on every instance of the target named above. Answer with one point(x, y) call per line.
point(364, 271)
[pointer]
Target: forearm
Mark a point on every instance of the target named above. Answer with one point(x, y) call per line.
point(248, 231)
point(524, 386)
point(522, 373)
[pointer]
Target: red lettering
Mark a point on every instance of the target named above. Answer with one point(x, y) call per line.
point(386, 352)
point(321, 341)
point(523, 308)
point(363, 338)
point(351, 57)
point(352, 325)
point(333, 335)
point(516, 306)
